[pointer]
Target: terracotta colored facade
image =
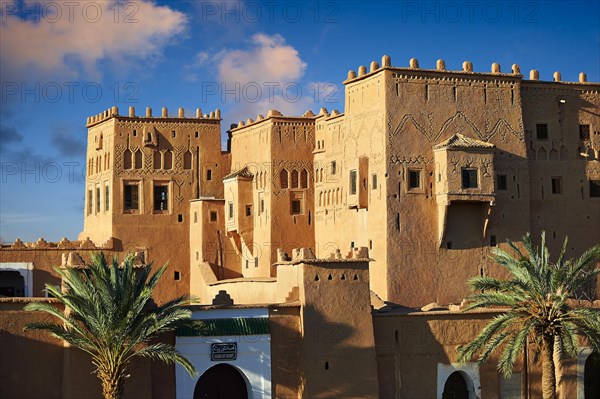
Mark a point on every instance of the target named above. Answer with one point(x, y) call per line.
point(319, 219)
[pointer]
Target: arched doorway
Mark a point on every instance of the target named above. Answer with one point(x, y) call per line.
point(221, 382)
point(591, 376)
point(455, 387)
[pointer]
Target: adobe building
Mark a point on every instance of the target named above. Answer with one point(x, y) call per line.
point(329, 252)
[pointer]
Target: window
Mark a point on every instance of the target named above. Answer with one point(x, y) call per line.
point(493, 241)
point(98, 202)
point(295, 183)
point(557, 185)
point(414, 179)
point(469, 178)
point(502, 182)
point(353, 183)
point(208, 174)
point(230, 210)
point(373, 182)
point(333, 167)
point(106, 197)
point(131, 196)
point(283, 178)
point(195, 217)
point(90, 203)
point(296, 203)
point(296, 207)
point(248, 210)
point(594, 188)
point(541, 131)
point(180, 218)
point(176, 276)
point(584, 132)
point(157, 160)
point(304, 178)
point(161, 197)
point(213, 216)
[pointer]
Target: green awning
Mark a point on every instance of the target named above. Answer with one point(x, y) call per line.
point(224, 327)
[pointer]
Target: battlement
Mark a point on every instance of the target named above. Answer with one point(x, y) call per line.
point(64, 243)
point(467, 69)
point(114, 112)
point(272, 114)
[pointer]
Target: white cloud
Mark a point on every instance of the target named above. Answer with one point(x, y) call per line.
point(63, 39)
point(270, 59)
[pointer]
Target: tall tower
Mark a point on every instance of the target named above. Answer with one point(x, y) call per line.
point(142, 172)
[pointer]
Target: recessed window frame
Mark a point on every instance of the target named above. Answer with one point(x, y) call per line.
point(213, 216)
point(502, 182)
point(415, 175)
point(353, 182)
point(162, 186)
point(594, 188)
point(556, 183)
point(136, 205)
point(471, 172)
point(541, 131)
point(231, 210)
point(584, 132)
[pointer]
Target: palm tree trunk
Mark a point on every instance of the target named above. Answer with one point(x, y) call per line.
point(112, 385)
point(548, 374)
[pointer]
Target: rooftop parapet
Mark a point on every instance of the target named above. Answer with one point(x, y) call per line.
point(114, 112)
point(273, 113)
point(64, 243)
point(306, 255)
point(441, 67)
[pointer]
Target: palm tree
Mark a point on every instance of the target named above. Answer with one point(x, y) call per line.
point(535, 300)
point(108, 314)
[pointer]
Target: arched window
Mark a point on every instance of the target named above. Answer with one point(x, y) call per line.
point(455, 387)
point(304, 178)
point(187, 160)
point(157, 160)
point(295, 179)
point(283, 178)
point(321, 198)
point(138, 159)
point(168, 160)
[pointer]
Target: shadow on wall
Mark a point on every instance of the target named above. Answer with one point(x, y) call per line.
point(35, 365)
point(322, 362)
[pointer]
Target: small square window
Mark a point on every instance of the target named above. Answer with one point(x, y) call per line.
point(595, 188)
point(502, 182)
point(248, 210)
point(173, 133)
point(213, 216)
point(231, 210)
point(557, 185)
point(353, 183)
point(541, 131)
point(180, 218)
point(584, 132)
point(333, 167)
point(469, 178)
point(414, 179)
point(374, 182)
point(296, 207)
point(208, 174)
point(176, 276)
point(262, 205)
point(196, 134)
point(493, 241)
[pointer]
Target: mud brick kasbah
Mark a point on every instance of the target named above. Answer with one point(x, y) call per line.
point(329, 250)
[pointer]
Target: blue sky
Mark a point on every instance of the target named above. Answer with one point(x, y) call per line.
point(61, 62)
